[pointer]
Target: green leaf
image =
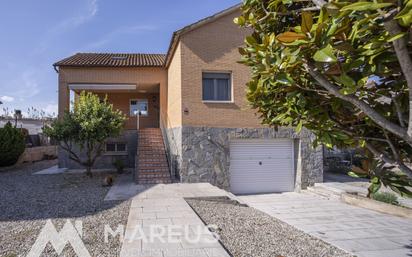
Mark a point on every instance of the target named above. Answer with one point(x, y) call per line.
point(345, 80)
point(375, 180)
point(364, 6)
point(239, 20)
point(327, 140)
point(299, 126)
point(374, 187)
point(250, 40)
point(396, 37)
point(307, 22)
point(284, 78)
point(325, 55)
point(357, 175)
point(405, 15)
point(332, 29)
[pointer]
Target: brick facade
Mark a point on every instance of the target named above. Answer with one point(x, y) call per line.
point(190, 125)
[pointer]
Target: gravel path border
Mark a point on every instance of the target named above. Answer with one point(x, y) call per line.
point(27, 201)
point(245, 231)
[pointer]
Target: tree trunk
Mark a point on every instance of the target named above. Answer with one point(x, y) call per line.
point(89, 171)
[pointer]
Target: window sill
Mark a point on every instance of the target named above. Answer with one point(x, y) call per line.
point(216, 102)
point(115, 153)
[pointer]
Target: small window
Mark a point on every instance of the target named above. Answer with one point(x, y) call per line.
point(120, 147)
point(116, 147)
point(216, 87)
point(110, 147)
point(137, 106)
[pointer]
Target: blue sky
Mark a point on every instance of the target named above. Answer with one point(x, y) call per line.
point(35, 34)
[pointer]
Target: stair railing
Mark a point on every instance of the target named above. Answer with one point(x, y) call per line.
point(137, 113)
point(136, 161)
point(169, 143)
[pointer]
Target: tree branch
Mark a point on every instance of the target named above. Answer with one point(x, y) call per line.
point(312, 90)
point(365, 108)
point(72, 155)
point(405, 169)
point(401, 49)
point(393, 148)
point(98, 153)
point(399, 111)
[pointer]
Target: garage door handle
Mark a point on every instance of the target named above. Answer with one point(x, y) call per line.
point(260, 163)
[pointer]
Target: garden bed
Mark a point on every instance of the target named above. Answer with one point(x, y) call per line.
point(27, 201)
point(245, 231)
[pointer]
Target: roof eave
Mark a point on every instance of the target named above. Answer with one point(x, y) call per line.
point(107, 66)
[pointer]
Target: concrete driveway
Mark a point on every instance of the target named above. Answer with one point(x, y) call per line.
point(357, 230)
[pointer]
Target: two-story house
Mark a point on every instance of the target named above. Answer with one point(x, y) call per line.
point(193, 111)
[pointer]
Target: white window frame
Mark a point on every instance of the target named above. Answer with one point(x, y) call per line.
point(232, 100)
point(137, 100)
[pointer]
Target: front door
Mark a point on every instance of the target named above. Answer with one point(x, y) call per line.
point(148, 110)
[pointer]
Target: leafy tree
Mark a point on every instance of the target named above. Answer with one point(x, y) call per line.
point(342, 69)
point(88, 126)
point(12, 144)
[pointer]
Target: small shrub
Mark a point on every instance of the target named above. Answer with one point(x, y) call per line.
point(386, 197)
point(12, 145)
point(119, 165)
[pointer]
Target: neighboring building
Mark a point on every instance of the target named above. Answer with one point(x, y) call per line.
point(196, 95)
point(33, 126)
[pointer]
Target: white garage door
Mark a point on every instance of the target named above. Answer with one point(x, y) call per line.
point(261, 166)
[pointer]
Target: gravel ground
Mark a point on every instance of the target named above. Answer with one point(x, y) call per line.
point(27, 201)
point(245, 231)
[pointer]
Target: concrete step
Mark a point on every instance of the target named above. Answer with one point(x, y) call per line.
point(148, 147)
point(150, 143)
point(155, 136)
point(143, 164)
point(154, 181)
point(152, 163)
point(152, 159)
point(154, 169)
point(147, 176)
point(318, 190)
point(151, 153)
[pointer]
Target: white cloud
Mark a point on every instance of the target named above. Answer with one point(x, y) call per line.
point(6, 99)
point(113, 35)
point(91, 11)
point(86, 15)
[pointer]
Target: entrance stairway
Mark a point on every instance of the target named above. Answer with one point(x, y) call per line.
point(152, 166)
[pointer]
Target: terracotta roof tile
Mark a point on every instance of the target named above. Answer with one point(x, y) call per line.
point(113, 60)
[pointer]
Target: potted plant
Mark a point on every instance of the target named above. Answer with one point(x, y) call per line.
point(119, 165)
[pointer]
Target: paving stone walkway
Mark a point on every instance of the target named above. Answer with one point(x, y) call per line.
point(363, 232)
point(161, 223)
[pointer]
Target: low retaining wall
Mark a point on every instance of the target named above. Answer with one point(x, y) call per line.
point(374, 205)
point(34, 154)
